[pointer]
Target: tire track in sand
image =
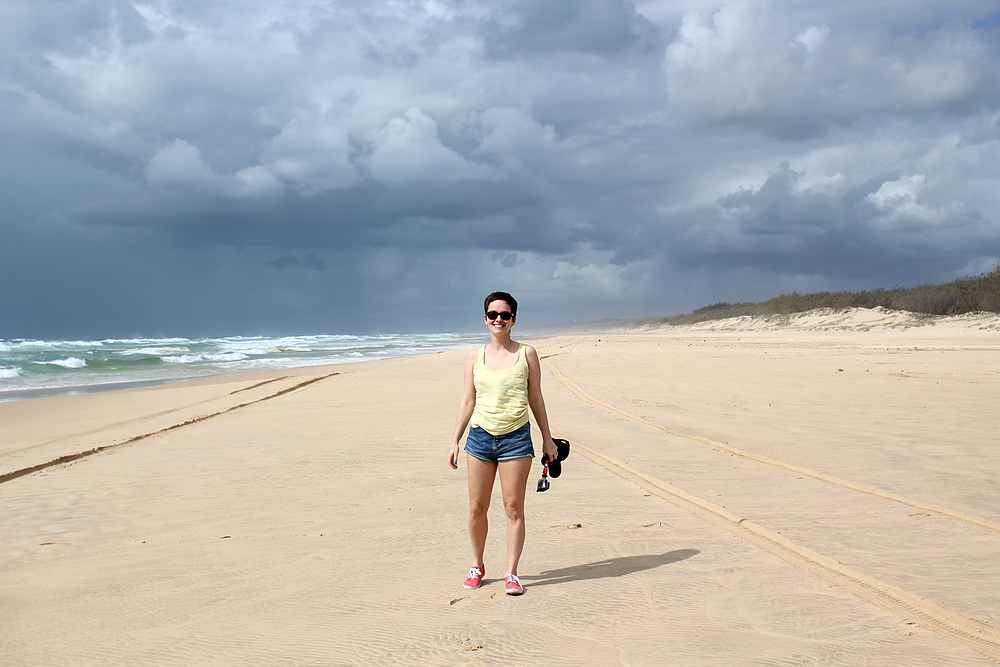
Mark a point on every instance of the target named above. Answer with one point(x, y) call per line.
point(981, 637)
point(69, 458)
point(967, 519)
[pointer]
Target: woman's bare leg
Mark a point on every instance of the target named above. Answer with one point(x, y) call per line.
point(481, 476)
point(513, 482)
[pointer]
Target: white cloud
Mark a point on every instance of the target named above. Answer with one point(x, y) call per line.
point(899, 208)
point(255, 181)
point(814, 37)
point(180, 165)
point(752, 64)
point(739, 65)
point(943, 75)
point(601, 278)
point(313, 155)
point(517, 139)
point(408, 150)
point(903, 191)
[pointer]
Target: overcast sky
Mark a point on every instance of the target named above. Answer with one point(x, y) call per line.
point(193, 167)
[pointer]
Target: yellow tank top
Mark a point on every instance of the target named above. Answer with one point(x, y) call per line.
point(501, 396)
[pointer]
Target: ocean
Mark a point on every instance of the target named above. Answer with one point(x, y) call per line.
point(35, 368)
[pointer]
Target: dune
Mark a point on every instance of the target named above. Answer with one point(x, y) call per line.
point(818, 491)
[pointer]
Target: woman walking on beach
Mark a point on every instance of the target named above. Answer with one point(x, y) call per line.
point(502, 380)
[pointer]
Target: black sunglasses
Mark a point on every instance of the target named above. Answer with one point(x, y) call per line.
point(505, 315)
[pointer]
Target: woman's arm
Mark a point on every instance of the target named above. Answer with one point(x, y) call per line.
point(465, 408)
point(537, 403)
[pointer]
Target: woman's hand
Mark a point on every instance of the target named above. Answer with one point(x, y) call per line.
point(453, 457)
point(549, 449)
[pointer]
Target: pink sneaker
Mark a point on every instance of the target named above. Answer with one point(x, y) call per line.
point(475, 578)
point(514, 586)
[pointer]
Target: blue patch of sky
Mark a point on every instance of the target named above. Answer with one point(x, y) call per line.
point(987, 23)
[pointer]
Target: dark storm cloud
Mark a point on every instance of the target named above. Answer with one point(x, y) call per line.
point(310, 260)
point(190, 167)
point(600, 27)
point(852, 233)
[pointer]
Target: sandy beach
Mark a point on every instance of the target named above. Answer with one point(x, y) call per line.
point(822, 489)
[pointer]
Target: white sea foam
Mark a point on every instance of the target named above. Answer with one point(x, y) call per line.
point(134, 343)
point(71, 362)
point(227, 356)
point(184, 359)
point(111, 361)
point(85, 344)
point(49, 345)
point(34, 345)
point(155, 351)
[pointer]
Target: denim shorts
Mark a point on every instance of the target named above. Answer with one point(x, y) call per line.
point(489, 447)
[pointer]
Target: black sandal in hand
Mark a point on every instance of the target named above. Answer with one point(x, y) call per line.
point(556, 466)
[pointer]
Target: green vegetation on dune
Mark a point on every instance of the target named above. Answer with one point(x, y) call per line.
point(965, 295)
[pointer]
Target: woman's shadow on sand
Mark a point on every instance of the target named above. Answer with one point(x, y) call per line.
point(612, 567)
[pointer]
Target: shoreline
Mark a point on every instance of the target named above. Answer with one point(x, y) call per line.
point(36, 368)
point(74, 390)
point(14, 395)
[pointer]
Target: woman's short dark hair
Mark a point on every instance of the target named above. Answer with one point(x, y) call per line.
point(501, 296)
